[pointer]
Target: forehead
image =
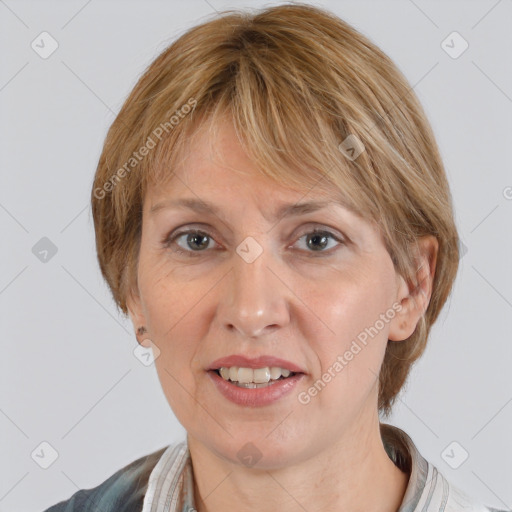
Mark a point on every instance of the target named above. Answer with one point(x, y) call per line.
point(213, 163)
point(212, 188)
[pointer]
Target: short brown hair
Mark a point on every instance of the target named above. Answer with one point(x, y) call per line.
point(296, 81)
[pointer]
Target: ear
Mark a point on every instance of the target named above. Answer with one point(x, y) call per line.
point(414, 300)
point(137, 315)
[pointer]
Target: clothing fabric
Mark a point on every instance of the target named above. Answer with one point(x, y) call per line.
point(163, 481)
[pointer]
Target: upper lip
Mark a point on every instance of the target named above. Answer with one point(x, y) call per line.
point(255, 362)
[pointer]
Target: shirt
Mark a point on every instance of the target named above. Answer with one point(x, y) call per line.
point(163, 481)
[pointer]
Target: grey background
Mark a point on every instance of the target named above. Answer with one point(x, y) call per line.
point(68, 373)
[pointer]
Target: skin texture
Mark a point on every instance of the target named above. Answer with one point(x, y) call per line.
point(293, 302)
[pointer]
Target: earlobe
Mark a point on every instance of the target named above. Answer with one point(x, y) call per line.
point(414, 298)
point(137, 316)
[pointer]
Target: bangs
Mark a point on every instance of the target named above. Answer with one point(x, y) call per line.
point(289, 133)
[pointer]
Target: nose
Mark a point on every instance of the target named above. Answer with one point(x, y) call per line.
point(255, 300)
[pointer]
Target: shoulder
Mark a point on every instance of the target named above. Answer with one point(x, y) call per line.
point(123, 491)
point(440, 495)
point(428, 489)
point(458, 501)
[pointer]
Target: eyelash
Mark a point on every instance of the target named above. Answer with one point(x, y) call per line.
point(169, 241)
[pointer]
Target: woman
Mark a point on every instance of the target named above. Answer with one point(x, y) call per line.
point(272, 211)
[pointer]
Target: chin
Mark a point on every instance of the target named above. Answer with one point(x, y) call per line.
point(255, 449)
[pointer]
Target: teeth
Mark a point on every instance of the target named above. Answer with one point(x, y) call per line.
point(260, 375)
point(233, 373)
point(245, 375)
point(254, 376)
point(275, 373)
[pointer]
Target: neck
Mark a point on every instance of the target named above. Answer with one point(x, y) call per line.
point(354, 474)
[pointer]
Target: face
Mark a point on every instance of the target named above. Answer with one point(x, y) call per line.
point(242, 287)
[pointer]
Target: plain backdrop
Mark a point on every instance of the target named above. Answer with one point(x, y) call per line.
point(69, 376)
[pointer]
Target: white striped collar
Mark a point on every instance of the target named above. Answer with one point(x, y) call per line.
point(171, 484)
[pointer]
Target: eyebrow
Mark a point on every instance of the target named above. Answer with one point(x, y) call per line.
point(285, 210)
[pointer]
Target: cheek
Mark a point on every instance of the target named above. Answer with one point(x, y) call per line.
point(173, 309)
point(169, 297)
point(350, 337)
point(176, 325)
point(348, 303)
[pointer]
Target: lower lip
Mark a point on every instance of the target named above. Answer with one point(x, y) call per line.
point(255, 397)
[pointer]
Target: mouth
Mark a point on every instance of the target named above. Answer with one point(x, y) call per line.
point(255, 382)
point(252, 378)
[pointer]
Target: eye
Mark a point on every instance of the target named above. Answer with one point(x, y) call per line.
point(193, 241)
point(318, 239)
